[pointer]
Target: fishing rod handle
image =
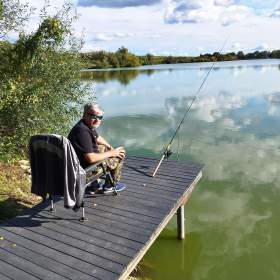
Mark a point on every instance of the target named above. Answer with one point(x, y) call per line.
point(162, 158)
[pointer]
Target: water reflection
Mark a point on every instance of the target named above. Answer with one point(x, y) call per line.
point(187, 257)
point(124, 77)
point(233, 128)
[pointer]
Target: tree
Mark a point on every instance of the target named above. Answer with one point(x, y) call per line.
point(13, 15)
point(127, 59)
point(40, 85)
point(240, 55)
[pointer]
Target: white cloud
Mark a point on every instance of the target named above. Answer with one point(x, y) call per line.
point(89, 47)
point(224, 3)
point(274, 104)
point(230, 124)
point(262, 47)
point(275, 13)
point(123, 35)
point(103, 37)
point(116, 3)
point(189, 12)
point(234, 14)
point(237, 210)
point(196, 11)
point(212, 108)
point(144, 27)
point(238, 71)
point(100, 37)
point(201, 49)
point(236, 45)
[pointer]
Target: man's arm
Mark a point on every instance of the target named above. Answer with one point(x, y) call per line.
point(95, 157)
point(101, 141)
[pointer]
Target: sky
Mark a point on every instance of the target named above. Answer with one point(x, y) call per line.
point(174, 27)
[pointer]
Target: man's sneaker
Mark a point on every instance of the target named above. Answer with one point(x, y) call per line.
point(109, 190)
point(120, 186)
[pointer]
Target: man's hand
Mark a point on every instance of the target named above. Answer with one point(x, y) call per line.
point(118, 152)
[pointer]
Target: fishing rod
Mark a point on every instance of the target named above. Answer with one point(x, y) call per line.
point(167, 152)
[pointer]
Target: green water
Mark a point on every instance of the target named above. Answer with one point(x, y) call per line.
point(232, 218)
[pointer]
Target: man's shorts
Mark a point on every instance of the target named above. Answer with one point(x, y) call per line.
point(114, 164)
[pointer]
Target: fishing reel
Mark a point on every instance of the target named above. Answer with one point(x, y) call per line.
point(168, 153)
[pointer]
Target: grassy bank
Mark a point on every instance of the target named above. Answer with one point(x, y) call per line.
point(15, 194)
point(123, 58)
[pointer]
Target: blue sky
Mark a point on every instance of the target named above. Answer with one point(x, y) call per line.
point(175, 27)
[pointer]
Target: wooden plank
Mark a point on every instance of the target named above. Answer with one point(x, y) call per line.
point(167, 163)
point(55, 223)
point(87, 234)
point(160, 181)
point(148, 187)
point(59, 257)
point(116, 231)
point(171, 169)
point(176, 164)
point(123, 212)
point(134, 203)
point(147, 190)
point(147, 212)
point(116, 222)
point(162, 173)
point(28, 267)
point(95, 230)
point(44, 262)
point(97, 255)
point(4, 277)
point(147, 169)
point(151, 198)
point(164, 222)
point(98, 213)
point(51, 223)
point(134, 190)
point(171, 188)
point(101, 266)
point(15, 273)
point(176, 181)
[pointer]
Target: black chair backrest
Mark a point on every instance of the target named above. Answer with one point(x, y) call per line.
point(47, 162)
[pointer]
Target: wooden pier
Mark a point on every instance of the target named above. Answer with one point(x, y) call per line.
point(43, 245)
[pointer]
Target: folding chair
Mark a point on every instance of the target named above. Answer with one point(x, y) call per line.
point(56, 171)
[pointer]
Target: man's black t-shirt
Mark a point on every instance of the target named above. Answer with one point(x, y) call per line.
point(83, 140)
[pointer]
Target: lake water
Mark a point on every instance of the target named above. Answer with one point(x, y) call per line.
point(233, 216)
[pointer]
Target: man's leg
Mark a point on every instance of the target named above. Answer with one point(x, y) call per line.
point(114, 165)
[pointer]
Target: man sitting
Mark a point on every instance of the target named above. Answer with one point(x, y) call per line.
point(91, 147)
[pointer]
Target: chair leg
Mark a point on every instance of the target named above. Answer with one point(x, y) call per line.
point(83, 219)
point(52, 209)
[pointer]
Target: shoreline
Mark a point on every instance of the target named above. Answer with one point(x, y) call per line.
point(206, 64)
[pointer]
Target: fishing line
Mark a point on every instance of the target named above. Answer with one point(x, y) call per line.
point(178, 146)
point(167, 151)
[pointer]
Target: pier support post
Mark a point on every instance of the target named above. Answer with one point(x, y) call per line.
point(181, 222)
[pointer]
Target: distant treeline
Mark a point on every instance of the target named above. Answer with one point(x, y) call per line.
point(123, 58)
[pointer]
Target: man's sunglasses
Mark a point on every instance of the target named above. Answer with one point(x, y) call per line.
point(95, 117)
